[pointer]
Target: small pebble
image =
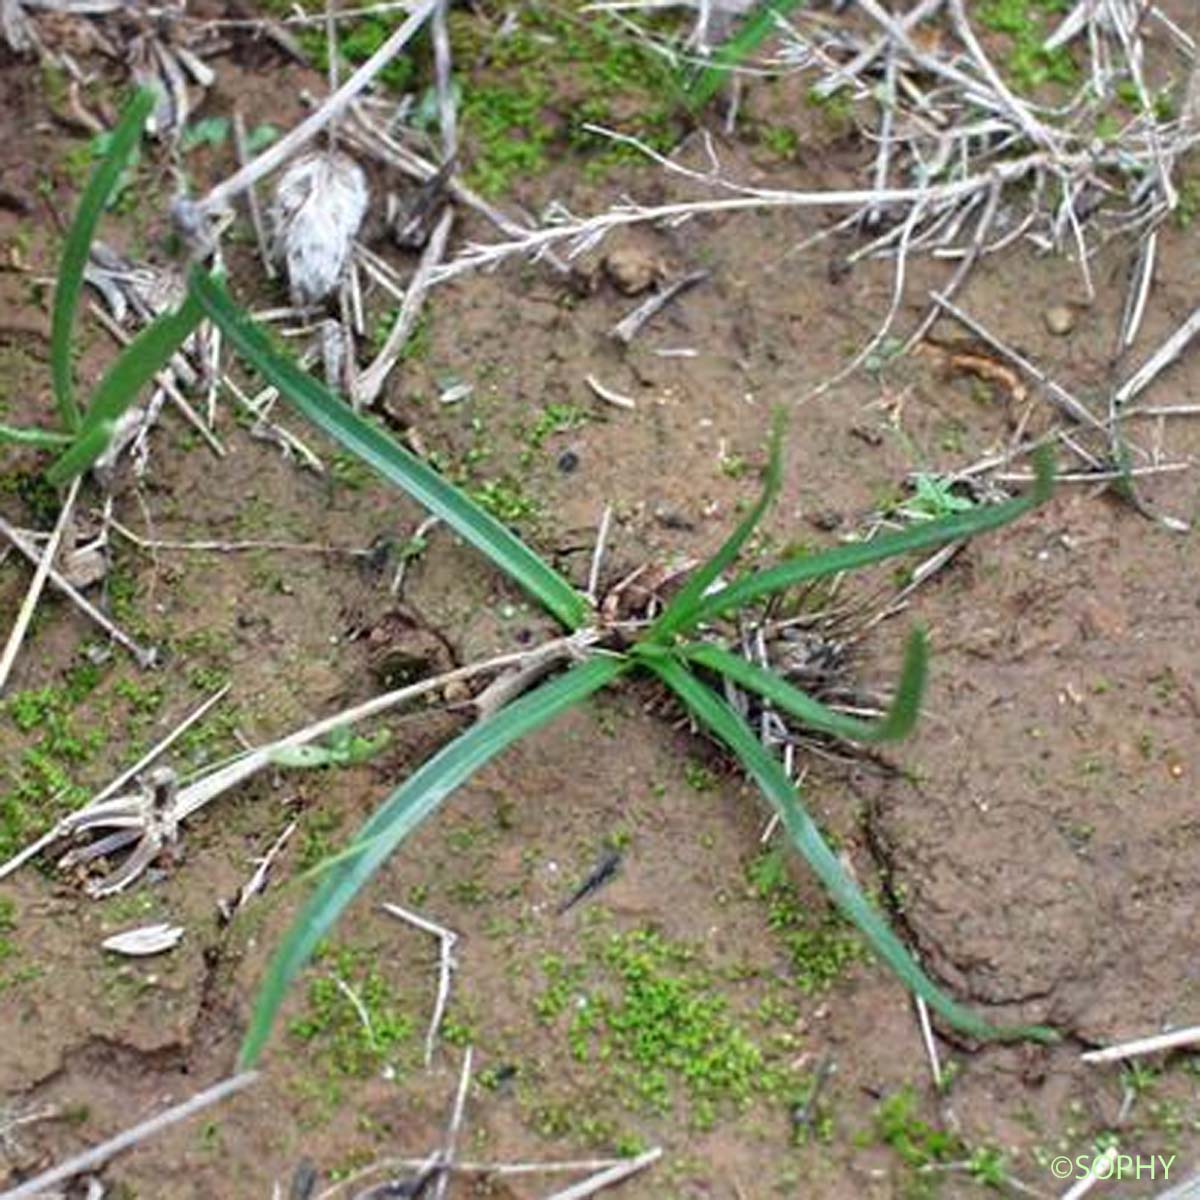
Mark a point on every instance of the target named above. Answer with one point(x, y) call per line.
point(631, 270)
point(1060, 320)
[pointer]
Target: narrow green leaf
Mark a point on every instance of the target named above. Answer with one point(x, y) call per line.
point(759, 25)
point(400, 814)
point(714, 713)
point(390, 459)
point(897, 723)
point(847, 558)
point(123, 142)
point(679, 614)
point(34, 437)
point(139, 362)
point(87, 446)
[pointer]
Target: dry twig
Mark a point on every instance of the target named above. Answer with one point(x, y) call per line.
point(89, 1160)
point(447, 964)
point(40, 575)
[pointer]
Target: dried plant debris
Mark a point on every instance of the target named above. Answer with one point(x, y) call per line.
point(17, 28)
point(125, 286)
point(171, 70)
point(20, 31)
point(320, 203)
point(145, 941)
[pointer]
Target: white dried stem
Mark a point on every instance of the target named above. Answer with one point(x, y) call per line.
point(258, 881)
point(499, 1169)
point(197, 794)
point(252, 202)
point(626, 329)
point(1101, 1168)
point(887, 120)
point(235, 547)
point(135, 818)
point(850, 72)
point(89, 1160)
point(606, 1178)
point(372, 139)
point(33, 595)
point(914, 216)
point(609, 395)
point(1034, 130)
point(974, 252)
point(452, 1132)
point(1147, 1045)
point(370, 382)
point(422, 531)
point(1139, 290)
point(144, 656)
point(584, 234)
point(442, 70)
point(155, 752)
point(1158, 362)
point(935, 1065)
point(287, 441)
point(1167, 468)
point(598, 553)
point(447, 964)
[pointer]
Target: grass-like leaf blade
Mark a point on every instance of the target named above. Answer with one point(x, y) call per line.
point(847, 558)
point(44, 438)
point(897, 723)
point(139, 362)
point(400, 814)
point(711, 711)
point(391, 460)
point(680, 612)
point(756, 29)
point(69, 285)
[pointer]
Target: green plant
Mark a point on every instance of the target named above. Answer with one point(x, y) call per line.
point(934, 497)
point(85, 436)
point(821, 945)
point(342, 749)
point(643, 1006)
point(917, 1142)
point(603, 652)
point(606, 655)
point(1023, 23)
point(759, 25)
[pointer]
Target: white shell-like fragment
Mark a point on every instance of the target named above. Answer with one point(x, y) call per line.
point(141, 943)
point(320, 204)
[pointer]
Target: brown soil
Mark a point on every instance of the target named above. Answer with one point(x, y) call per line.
point(1036, 839)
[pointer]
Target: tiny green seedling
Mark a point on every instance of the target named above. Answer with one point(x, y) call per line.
point(935, 497)
point(342, 749)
